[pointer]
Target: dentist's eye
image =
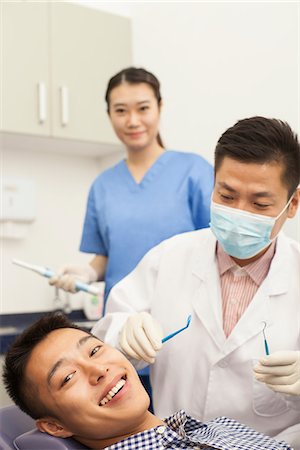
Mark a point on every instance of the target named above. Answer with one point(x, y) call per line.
point(68, 378)
point(95, 350)
point(226, 197)
point(261, 205)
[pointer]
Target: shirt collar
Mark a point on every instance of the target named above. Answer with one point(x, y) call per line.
point(256, 270)
point(177, 425)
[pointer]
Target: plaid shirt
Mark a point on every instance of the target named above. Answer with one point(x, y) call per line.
point(182, 431)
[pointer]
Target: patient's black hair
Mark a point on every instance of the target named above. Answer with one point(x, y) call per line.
point(20, 389)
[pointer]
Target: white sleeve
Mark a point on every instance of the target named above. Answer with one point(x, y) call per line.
point(131, 295)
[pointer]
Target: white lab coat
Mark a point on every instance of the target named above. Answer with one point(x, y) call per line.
point(201, 370)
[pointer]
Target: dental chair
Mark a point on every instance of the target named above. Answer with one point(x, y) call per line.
point(18, 432)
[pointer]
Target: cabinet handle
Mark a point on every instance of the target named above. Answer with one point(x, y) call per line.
point(42, 99)
point(64, 98)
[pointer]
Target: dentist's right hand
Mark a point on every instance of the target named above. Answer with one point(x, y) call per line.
point(67, 276)
point(141, 336)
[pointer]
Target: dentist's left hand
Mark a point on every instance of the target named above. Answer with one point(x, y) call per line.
point(280, 371)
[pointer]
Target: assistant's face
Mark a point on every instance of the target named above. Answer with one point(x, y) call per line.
point(256, 188)
point(90, 387)
point(135, 115)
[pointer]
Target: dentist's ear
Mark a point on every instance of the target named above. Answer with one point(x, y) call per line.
point(293, 207)
point(53, 427)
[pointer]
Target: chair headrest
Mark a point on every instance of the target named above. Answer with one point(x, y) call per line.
point(35, 440)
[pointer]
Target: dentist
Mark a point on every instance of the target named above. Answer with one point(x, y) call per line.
point(234, 278)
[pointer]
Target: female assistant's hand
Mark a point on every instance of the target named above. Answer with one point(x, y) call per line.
point(67, 276)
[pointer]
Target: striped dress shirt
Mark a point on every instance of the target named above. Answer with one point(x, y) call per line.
point(240, 284)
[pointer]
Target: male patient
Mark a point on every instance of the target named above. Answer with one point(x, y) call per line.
point(75, 385)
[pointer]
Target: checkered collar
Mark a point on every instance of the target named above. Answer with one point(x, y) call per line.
point(182, 431)
point(162, 436)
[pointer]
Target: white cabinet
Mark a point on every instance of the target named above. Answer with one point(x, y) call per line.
point(24, 66)
point(55, 64)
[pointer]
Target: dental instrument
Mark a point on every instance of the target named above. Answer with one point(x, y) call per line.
point(169, 336)
point(265, 340)
point(48, 273)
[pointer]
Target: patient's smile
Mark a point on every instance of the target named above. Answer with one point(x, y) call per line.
point(113, 392)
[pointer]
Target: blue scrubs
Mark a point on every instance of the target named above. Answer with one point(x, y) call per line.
point(125, 219)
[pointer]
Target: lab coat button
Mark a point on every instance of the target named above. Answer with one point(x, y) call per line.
point(223, 364)
point(160, 430)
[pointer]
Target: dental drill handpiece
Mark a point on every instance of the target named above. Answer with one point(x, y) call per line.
point(48, 273)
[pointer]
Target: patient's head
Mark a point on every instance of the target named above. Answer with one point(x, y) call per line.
point(74, 384)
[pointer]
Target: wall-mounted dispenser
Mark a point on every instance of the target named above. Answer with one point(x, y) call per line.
point(18, 210)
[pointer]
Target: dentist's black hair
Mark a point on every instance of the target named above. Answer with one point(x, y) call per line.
point(261, 140)
point(134, 75)
point(24, 393)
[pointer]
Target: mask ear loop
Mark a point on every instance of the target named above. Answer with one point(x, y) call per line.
point(280, 214)
point(286, 206)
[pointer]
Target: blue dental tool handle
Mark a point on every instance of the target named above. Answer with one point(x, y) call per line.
point(178, 331)
point(265, 340)
point(266, 348)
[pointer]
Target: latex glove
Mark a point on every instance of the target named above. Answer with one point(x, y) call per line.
point(141, 337)
point(67, 276)
point(280, 371)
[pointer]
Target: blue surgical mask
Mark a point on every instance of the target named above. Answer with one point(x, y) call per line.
point(242, 234)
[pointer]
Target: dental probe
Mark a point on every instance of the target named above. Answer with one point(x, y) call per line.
point(48, 273)
point(178, 331)
point(265, 339)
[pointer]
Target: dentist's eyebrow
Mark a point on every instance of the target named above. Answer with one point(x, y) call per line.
point(58, 363)
point(264, 194)
point(225, 186)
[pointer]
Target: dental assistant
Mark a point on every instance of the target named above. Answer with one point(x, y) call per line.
point(147, 197)
point(233, 278)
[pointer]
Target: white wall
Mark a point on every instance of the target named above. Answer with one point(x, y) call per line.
point(217, 62)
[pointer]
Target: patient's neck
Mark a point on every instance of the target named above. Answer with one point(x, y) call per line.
point(147, 422)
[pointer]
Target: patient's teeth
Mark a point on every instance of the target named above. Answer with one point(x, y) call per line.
point(112, 392)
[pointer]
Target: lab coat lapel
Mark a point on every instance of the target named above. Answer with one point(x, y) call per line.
point(206, 300)
point(252, 321)
point(260, 308)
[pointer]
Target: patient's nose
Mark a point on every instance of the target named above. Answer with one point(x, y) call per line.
point(96, 372)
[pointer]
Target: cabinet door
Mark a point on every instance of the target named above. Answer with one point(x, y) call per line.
point(87, 48)
point(24, 67)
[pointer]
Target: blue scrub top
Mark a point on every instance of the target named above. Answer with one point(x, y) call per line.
point(125, 219)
